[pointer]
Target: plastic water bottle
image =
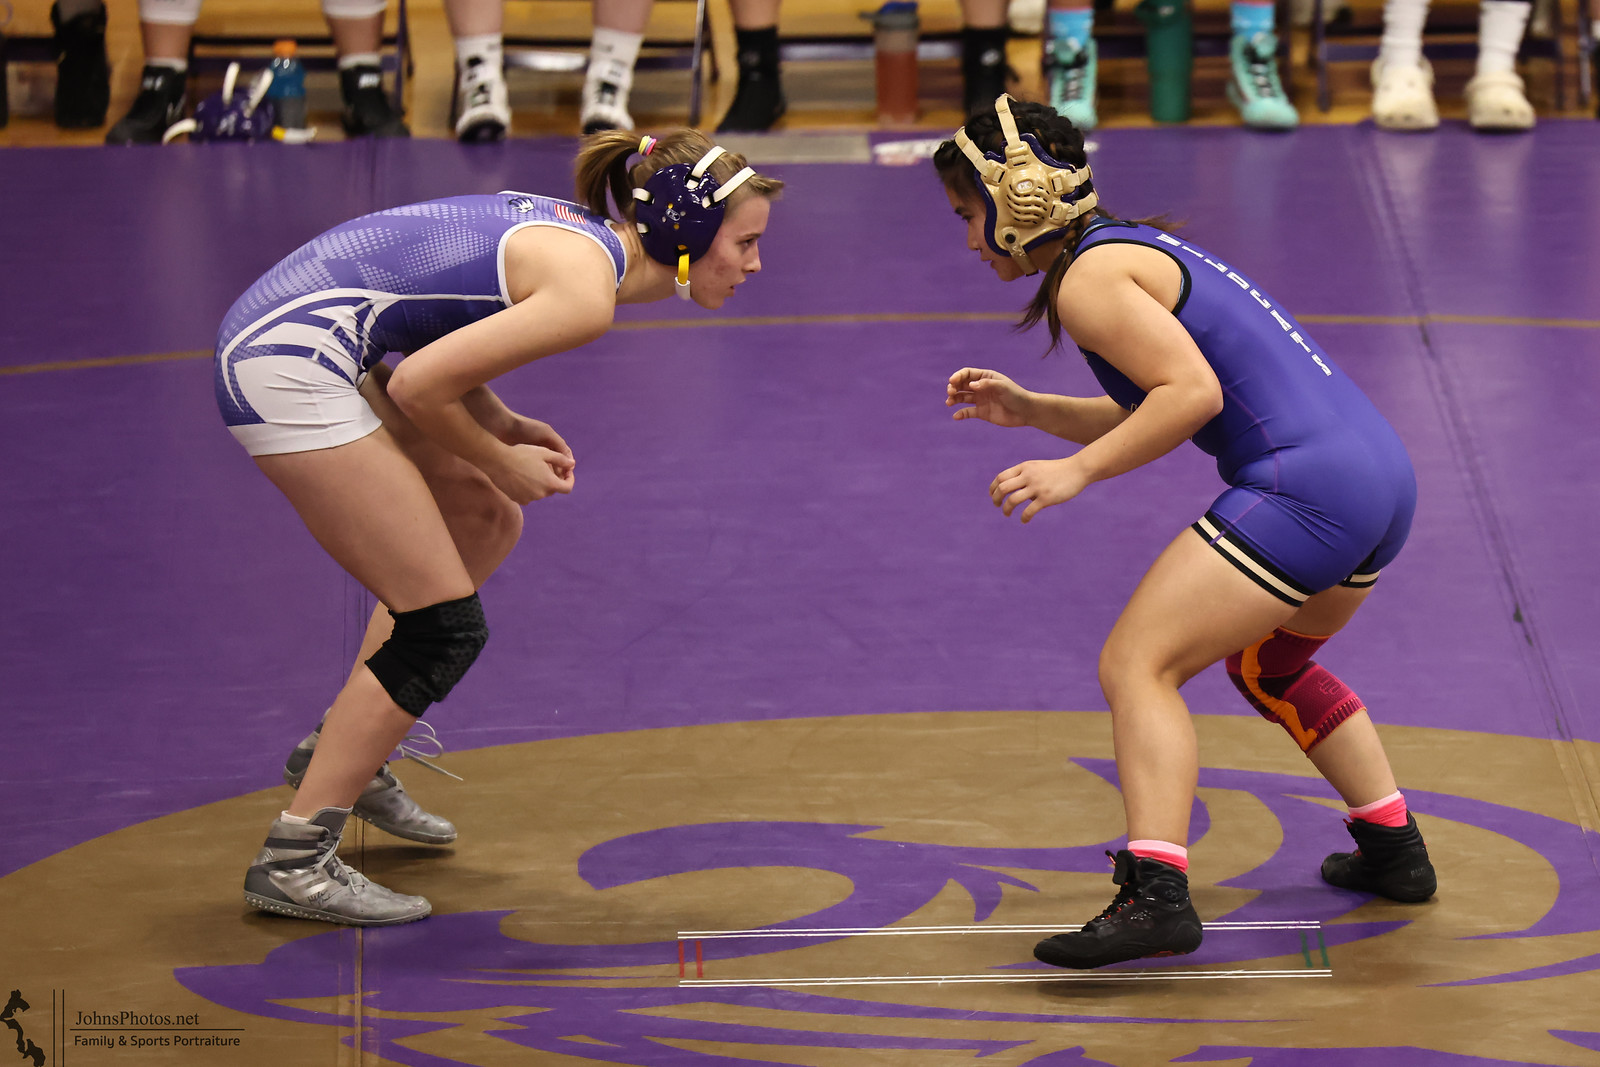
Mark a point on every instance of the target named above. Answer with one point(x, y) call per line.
point(288, 89)
point(895, 26)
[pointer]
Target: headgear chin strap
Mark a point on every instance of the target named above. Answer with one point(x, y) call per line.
point(679, 209)
point(1030, 196)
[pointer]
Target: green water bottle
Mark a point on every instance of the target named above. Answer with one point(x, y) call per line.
point(1169, 43)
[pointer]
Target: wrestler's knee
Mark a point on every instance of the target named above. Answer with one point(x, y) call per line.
point(1285, 685)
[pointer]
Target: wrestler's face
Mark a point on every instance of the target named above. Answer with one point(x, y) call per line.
point(972, 211)
point(734, 254)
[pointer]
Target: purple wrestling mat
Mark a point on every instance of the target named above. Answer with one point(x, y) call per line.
point(780, 596)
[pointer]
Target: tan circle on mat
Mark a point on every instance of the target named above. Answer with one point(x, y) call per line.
point(109, 921)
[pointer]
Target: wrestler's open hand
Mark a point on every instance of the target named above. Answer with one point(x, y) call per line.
point(994, 397)
point(1040, 482)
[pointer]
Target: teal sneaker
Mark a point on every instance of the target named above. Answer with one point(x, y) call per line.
point(1254, 87)
point(1070, 69)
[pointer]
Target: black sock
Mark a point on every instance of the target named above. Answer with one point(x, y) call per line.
point(758, 53)
point(983, 47)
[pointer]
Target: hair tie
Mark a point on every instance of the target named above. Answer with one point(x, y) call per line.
point(646, 145)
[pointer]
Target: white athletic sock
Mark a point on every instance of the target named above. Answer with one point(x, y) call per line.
point(180, 65)
point(485, 48)
point(1500, 27)
point(294, 820)
point(611, 57)
point(1402, 32)
point(360, 59)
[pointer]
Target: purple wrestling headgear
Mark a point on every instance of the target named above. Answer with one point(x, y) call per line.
point(230, 115)
point(679, 209)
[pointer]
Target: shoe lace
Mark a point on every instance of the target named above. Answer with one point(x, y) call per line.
point(331, 867)
point(422, 745)
point(1260, 53)
point(1126, 891)
point(1070, 65)
point(477, 83)
point(1123, 898)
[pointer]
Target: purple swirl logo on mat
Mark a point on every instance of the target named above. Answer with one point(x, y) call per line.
point(583, 1001)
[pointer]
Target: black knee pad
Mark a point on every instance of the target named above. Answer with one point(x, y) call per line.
point(429, 651)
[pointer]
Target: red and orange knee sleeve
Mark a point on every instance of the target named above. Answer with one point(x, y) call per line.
point(1280, 680)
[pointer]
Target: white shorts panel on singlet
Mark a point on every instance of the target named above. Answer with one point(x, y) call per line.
point(306, 406)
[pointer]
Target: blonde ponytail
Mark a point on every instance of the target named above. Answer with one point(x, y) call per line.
point(602, 168)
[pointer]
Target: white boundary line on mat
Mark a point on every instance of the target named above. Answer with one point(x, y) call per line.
point(974, 979)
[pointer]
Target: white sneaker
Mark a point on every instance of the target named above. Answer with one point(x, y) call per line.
point(605, 107)
point(484, 104)
point(1402, 96)
point(1497, 102)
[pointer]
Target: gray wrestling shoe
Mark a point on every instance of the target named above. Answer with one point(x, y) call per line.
point(297, 874)
point(384, 802)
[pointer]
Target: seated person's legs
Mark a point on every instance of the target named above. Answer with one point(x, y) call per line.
point(1070, 61)
point(983, 54)
point(357, 28)
point(165, 27)
point(1402, 81)
point(83, 75)
point(1254, 87)
point(1495, 97)
point(759, 101)
point(618, 33)
point(483, 106)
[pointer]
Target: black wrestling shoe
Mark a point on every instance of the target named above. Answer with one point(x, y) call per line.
point(1391, 861)
point(158, 105)
point(83, 74)
point(1151, 916)
point(367, 112)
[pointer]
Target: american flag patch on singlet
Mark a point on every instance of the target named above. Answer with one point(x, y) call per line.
point(566, 214)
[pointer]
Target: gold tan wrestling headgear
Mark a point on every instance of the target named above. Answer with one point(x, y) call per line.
point(1030, 196)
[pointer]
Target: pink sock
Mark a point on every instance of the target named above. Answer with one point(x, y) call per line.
point(1390, 811)
point(1165, 851)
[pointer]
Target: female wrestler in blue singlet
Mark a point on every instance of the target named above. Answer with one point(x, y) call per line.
point(412, 480)
point(1319, 499)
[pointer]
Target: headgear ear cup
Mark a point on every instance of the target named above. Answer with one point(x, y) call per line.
point(679, 209)
point(1030, 196)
